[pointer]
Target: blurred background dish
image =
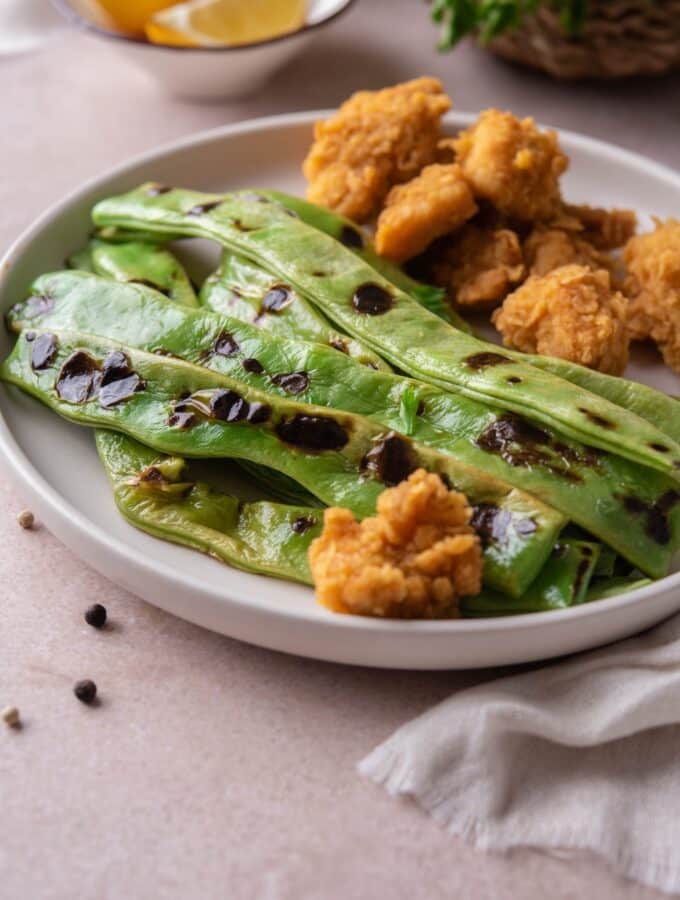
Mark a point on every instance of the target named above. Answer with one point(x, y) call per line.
point(182, 67)
point(26, 25)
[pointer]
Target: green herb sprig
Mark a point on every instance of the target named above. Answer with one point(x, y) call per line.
point(490, 18)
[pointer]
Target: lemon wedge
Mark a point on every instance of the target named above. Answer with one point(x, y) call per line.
point(130, 16)
point(215, 23)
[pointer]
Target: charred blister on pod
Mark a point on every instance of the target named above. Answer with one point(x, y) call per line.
point(259, 413)
point(485, 359)
point(241, 226)
point(371, 299)
point(146, 282)
point(391, 460)
point(43, 352)
point(79, 378)
point(303, 524)
point(157, 189)
point(228, 406)
point(30, 336)
point(596, 419)
point(513, 379)
point(35, 306)
point(660, 448)
point(226, 344)
point(278, 297)
point(490, 522)
point(181, 416)
point(351, 237)
point(253, 366)
point(656, 515)
point(312, 433)
point(202, 208)
point(118, 380)
point(338, 344)
point(292, 382)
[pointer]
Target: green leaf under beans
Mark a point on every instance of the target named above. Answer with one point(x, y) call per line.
point(627, 506)
point(343, 459)
point(562, 582)
point(240, 288)
point(346, 288)
point(262, 537)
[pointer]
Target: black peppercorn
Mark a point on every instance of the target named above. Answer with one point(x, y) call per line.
point(95, 615)
point(85, 690)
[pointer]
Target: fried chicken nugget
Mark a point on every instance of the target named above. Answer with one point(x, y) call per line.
point(653, 285)
point(513, 164)
point(413, 560)
point(375, 140)
point(549, 248)
point(478, 266)
point(571, 313)
point(433, 203)
point(605, 229)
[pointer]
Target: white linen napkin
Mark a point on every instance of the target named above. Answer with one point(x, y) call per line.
point(571, 755)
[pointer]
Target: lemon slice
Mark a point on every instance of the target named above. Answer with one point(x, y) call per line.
point(130, 16)
point(215, 23)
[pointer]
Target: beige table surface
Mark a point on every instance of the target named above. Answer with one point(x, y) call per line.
point(214, 769)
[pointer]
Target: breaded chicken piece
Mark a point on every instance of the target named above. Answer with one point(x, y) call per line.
point(413, 560)
point(571, 313)
point(549, 248)
point(375, 140)
point(653, 285)
point(433, 203)
point(478, 266)
point(513, 164)
point(605, 229)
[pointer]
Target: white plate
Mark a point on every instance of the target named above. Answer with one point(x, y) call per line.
point(59, 473)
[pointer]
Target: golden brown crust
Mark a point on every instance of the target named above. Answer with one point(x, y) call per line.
point(548, 248)
point(375, 140)
point(513, 164)
point(653, 285)
point(605, 229)
point(478, 266)
point(413, 560)
point(437, 201)
point(571, 313)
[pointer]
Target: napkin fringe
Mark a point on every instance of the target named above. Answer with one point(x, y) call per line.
point(389, 767)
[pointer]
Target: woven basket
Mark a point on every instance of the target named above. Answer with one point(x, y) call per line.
point(620, 38)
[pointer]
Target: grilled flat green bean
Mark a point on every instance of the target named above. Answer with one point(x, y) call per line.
point(562, 582)
point(654, 406)
point(363, 303)
point(159, 495)
point(241, 289)
point(634, 509)
point(141, 263)
point(343, 459)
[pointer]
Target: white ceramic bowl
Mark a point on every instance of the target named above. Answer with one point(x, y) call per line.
point(206, 72)
point(61, 478)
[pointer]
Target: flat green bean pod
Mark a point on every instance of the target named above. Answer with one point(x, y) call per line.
point(158, 494)
point(364, 304)
point(634, 509)
point(562, 582)
point(343, 459)
point(240, 288)
point(654, 406)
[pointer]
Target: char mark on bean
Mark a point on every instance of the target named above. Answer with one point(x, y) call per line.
point(259, 413)
point(30, 336)
point(312, 434)
point(490, 522)
point(43, 351)
point(371, 299)
point(157, 189)
point(514, 379)
point(351, 237)
point(660, 448)
point(338, 344)
point(253, 366)
point(182, 419)
point(35, 306)
point(391, 460)
point(597, 419)
point(118, 380)
point(228, 406)
point(655, 515)
point(202, 208)
point(278, 297)
point(226, 344)
point(79, 378)
point(319, 273)
point(146, 282)
point(486, 359)
point(292, 382)
point(240, 226)
point(303, 524)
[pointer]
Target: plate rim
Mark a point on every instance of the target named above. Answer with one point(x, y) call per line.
point(30, 478)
